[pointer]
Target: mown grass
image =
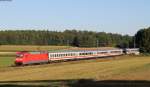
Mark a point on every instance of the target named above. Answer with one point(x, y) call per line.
point(125, 69)
point(14, 48)
point(6, 61)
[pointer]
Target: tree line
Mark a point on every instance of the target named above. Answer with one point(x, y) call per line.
point(67, 37)
point(142, 39)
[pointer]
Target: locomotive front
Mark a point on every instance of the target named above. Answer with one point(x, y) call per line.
point(19, 58)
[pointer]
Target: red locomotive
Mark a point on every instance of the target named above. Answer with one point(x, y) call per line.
point(25, 58)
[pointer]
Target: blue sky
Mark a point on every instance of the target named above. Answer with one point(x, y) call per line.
point(116, 16)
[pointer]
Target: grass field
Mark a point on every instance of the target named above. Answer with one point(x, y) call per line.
point(14, 48)
point(6, 61)
point(125, 71)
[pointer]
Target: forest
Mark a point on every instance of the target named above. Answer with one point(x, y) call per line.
point(76, 38)
point(142, 38)
point(67, 37)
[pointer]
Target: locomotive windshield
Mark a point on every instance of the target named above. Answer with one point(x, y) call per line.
point(19, 55)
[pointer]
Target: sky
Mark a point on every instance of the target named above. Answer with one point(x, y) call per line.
point(115, 16)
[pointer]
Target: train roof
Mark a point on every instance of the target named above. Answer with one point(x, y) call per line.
point(76, 50)
point(64, 51)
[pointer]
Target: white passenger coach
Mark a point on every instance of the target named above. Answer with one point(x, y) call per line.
point(71, 55)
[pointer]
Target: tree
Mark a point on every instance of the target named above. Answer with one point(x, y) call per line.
point(143, 40)
point(75, 42)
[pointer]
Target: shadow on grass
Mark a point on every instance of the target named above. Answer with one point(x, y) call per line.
point(76, 83)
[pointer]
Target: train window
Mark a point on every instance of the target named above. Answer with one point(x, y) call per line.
point(86, 53)
point(68, 54)
point(99, 52)
point(73, 54)
point(103, 52)
point(115, 51)
point(63, 54)
point(90, 53)
point(50, 55)
point(60, 55)
point(83, 53)
point(80, 53)
point(19, 55)
point(55, 55)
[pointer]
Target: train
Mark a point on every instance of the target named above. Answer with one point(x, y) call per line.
point(28, 58)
